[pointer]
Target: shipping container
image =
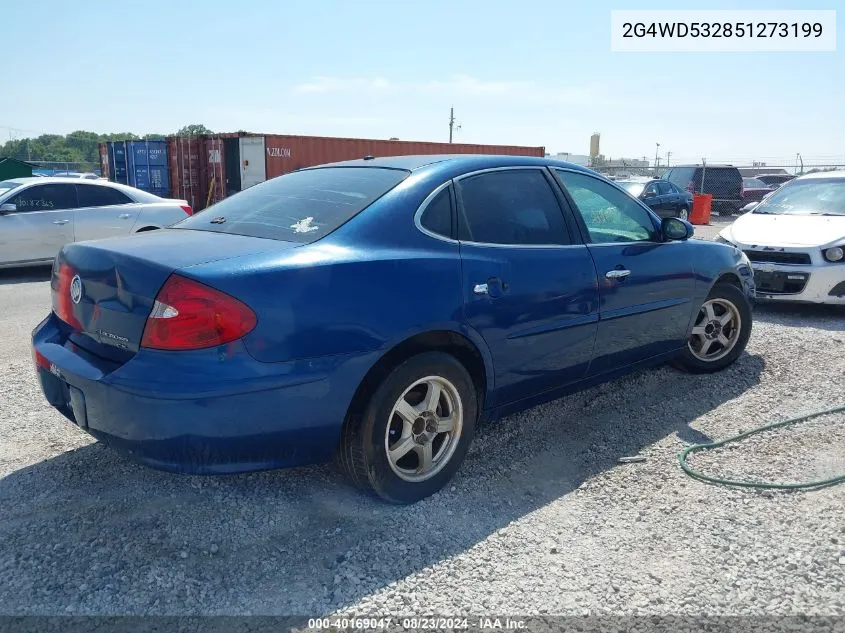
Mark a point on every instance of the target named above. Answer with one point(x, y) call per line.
point(141, 164)
point(288, 153)
point(198, 168)
point(206, 169)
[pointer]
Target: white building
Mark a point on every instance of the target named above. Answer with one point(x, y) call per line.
point(578, 159)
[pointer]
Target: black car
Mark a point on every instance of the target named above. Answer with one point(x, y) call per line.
point(723, 182)
point(664, 198)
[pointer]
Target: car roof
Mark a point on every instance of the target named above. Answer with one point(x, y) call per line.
point(708, 166)
point(453, 162)
point(839, 173)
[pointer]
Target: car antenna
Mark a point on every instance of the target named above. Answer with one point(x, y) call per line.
point(369, 157)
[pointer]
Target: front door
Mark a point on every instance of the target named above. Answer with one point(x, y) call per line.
point(646, 286)
point(41, 224)
point(103, 212)
point(529, 288)
point(252, 161)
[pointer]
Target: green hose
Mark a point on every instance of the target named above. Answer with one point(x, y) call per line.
point(682, 459)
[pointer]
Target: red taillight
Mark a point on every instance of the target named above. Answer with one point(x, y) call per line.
point(63, 304)
point(40, 360)
point(190, 315)
point(187, 209)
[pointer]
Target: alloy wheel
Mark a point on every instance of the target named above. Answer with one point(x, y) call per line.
point(424, 428)
point(716, 330)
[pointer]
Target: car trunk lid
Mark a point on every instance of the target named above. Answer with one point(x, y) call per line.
point(105, 290)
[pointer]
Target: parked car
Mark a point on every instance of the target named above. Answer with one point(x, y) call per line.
point(723, 182)
point(774, 179)
point(40, 215)
point(661, 196)
point(754, 190)
point(376, 310)
point(795, 239)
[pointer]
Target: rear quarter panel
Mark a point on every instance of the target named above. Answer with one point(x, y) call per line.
point(333, 299)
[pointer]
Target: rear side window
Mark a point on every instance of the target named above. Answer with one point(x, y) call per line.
point(52, 197)
point(722, 182)
point(97, 196)
point(302, 206)
point(664, 188)
point(437, 216)
point(514, 206)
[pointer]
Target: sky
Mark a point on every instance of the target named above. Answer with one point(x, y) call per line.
point(522, 73)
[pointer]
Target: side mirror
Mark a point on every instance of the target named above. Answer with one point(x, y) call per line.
point(7, 208)
point(675, 229)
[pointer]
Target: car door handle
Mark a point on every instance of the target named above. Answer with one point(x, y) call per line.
point(617, 274)
point(481, 289)
point(125, 216)
point(60, 221)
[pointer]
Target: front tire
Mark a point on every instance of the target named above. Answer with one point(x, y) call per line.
point(720, 332)
point(415, 430)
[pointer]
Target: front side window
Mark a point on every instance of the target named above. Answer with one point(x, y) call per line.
point(301, 207)
point(52, 197)
point(513, 206)
point(651, 190)
point(97, 196)
point(664, 188)
point(610, 215)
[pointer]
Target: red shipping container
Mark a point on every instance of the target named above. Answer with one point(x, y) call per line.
point(288, 153)
point(197, 169)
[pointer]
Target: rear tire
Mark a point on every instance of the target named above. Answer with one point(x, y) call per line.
point(415, 431)
point(683, 214)
point(720, 332)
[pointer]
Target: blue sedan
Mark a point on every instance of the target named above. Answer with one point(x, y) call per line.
point(375, 311)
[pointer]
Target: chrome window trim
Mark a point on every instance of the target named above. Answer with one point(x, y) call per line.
point(422, 208)
point(654, 217)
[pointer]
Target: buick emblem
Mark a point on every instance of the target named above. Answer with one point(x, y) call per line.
point(76, 289)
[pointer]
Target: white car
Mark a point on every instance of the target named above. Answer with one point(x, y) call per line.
point(40, 215)
point(795, 239)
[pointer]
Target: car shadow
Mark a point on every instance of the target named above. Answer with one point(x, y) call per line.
point(819, 316)
point(25, 275)
point(89, 531)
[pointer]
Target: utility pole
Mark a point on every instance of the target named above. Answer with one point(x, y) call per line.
point(451, 121)
point(668, 156)
point(802, 162)
point(656, 158)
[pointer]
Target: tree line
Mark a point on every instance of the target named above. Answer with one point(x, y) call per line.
point(78, 147)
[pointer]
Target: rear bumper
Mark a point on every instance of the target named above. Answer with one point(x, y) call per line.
point(204, 412)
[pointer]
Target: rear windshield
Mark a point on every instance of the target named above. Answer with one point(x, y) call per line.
point(8, 185)
point(634, 188)
point(753, 183)
point(302, 206)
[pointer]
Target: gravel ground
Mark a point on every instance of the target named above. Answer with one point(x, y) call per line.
point(541, 518)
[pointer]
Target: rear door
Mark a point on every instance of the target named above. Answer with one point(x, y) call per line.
point(252, 161)
point(103, 212)
point(41, 225)
point(646, 286)
point(529, 285)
